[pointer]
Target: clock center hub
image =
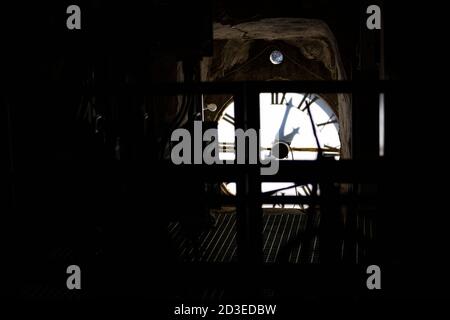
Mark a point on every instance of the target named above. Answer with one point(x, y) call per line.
point(280, 150)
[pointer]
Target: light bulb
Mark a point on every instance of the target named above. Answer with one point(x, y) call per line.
point(211, 107)
point(276, 57)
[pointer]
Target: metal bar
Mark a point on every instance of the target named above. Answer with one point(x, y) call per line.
point(249, 211)
point(341, 86)
point(342, 199)
point(225, 146)
point(296, 171)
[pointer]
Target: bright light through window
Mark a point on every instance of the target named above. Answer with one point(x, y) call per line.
point(287, 131)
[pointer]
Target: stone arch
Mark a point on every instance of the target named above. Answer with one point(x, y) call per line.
point(311, 53)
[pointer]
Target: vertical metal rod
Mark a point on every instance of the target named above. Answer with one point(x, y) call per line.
point(249, 209)
point(11, 153)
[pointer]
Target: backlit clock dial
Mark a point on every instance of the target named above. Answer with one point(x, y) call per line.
point(288, 124)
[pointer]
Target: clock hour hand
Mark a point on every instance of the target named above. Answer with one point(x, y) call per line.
point(280, 136)
point(289, 137)
point(280, 147)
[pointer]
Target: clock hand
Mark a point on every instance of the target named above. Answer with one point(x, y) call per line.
point(313, 98)
point(280, 146)
point(319, 149)
point(289, 137)
point(280, 136)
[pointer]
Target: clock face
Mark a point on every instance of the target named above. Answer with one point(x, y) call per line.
point(288, 124)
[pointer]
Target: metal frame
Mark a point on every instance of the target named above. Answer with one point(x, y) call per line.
point(249, 198)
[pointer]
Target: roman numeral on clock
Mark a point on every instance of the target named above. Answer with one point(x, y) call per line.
point(228, 118)
point(329, 121)
point(278, 98)
point(226, 147)
point(304, 104)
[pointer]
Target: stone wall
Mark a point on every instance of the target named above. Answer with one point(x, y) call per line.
point(241, 53)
